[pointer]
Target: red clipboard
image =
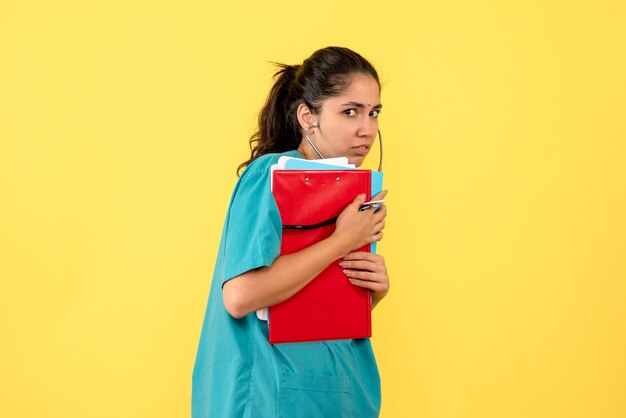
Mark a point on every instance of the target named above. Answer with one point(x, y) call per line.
point(329, 307)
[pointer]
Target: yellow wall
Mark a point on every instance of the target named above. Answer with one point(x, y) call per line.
point(122, 123)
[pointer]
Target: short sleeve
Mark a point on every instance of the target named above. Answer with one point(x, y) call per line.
point(253, 227)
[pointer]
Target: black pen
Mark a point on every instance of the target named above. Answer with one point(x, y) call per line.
point(372, 204)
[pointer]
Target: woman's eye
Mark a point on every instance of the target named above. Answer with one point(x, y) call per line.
point(350, 112)
point(375, 113)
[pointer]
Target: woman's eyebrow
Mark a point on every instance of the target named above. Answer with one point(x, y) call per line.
point(361, 105)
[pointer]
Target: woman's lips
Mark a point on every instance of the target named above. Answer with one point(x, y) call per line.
point(361, 149)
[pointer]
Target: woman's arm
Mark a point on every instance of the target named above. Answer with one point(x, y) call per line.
point(267, 286)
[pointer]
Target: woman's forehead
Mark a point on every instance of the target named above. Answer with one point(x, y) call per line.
point(362, 90)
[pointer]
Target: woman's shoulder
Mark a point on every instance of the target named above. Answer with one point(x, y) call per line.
point(255, 181)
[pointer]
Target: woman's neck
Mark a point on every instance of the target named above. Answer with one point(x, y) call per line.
point(307, 152)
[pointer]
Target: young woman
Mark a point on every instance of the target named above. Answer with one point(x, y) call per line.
point(326, 107)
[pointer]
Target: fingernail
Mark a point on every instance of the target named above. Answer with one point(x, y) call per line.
point(342, 263)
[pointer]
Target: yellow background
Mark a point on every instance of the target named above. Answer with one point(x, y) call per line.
point(122, 123)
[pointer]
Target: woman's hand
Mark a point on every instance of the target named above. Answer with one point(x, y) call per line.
point(355, 228)
point(367, 270)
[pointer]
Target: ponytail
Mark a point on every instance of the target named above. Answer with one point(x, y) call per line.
point(278, 125)
point(326, 73)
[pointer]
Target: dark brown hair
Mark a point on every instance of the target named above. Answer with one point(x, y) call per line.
point(324, 74)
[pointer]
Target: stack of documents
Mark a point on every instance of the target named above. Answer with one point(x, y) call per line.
point(308, 193)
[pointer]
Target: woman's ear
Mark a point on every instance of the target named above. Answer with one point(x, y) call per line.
point(306, 118)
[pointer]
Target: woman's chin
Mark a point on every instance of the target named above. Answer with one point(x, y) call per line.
point(357, 160)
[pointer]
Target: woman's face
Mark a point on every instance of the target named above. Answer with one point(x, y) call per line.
point(348, 123)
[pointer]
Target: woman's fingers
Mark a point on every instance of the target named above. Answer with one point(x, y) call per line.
point(376, 282)
point(380, 195)
point(364, 255)
point(361, 275)
point(376, 287)
point(366, 276)
point(380, 215)
point(382, 211)
point(362, 265)
point(358, 201)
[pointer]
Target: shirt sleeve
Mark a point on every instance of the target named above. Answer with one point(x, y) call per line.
point(253, 228)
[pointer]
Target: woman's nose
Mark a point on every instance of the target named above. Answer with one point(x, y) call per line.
point(368, 127)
